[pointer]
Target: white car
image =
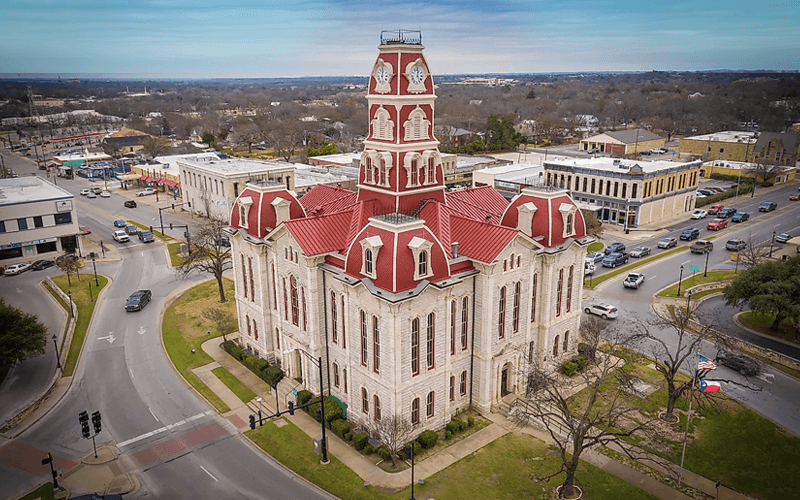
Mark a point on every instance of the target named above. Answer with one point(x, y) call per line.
point(589, 268)
point(91, 195)
point(145, 192)
point(84, 192)
point(606, 311)
point(634, 280)
point(121, 236)
point(699, 214)
point(16, 269)
point(105, 194)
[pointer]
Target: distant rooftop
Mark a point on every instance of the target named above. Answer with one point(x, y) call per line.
point(30, 189)
point(236, 166)
point(726, 136)
point(409, 37)
point(617, 165)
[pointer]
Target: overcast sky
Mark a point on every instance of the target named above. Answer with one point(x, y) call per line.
point(264, 38)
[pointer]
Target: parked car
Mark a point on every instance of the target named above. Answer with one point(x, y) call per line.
point(130, 204)
point(735, 245)
point(105, 194)
point(633, 280)
point(91, 195)
point(614, 247)
point(715, 208)
point(645, 153)
point(121, 236)
point(131, 229)
point(701, 246)
point(42, 264)
point(147, 237)
point(138, 300)
point(717, 224)
point(768, 206)
point(700, 195)
point(794, 197)
point(84, 192)
point(66, 258)
point(699, 214)
point(740, 217)
point(783, 237)
point(96, 190)
point(716, 189)
point(742, 364)
point(690, 234)
point(615, 259)
point(120, 223)
point(640, 252)
point(145, 192)
point(706, 192)
point(595, 257)
point(593, 151)
point(84, 230)
point(589, 268)
point(667, 242)
point(15, 269)
point(605, 311)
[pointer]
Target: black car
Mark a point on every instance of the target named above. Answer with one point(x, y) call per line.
point(130, 204)
point(741, 217)
point(768, 206)
point(690, 234)
point(614, 248)
point(147, 236)
point(742, 364)
point(138, 300)
point(67, 257)
point(42, 264)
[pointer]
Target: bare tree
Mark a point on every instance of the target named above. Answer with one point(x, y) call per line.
point(594, 227)
point(224, 321)
point(753, 254)
point(156, 146)
point(393, 431)
point(69, 265)
point(765, 170)
point(598, 415)
point(245, 133)
point(209, 252)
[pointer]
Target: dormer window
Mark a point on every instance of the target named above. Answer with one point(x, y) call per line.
point(369, 255)
point(567, 211)
point(245, 202)
point(525, 213)
point(422, 256)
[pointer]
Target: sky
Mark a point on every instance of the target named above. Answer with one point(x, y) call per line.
point(277, 38)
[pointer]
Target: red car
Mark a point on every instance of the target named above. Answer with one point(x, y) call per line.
point(795, 197)
point(715, 208)
point(717, 224)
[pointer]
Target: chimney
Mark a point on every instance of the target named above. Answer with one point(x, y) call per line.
point(455, 249)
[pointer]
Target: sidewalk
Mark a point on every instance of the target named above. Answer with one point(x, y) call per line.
point(375, 476)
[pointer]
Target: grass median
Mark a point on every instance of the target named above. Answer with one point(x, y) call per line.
point(234, 384)
point(184, 330)
point(84, 295)
point(593, 282)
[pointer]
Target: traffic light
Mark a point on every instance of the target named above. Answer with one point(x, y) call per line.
point(319, 415)
point(253, 422)
point(83, 418)
point(98, 426)
point(291, 407)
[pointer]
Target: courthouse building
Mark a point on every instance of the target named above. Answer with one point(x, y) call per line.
point(419, 302)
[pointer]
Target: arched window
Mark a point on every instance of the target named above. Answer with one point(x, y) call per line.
point(247, 320)
point(244, 277)
point(566, 341)
point(555, 346)
point(344, 379)
point(414, 174)
point(452, 388)
point(415, 411)
point(377, 407)
point(423, 263)
point(364, 401)
point(569, 287)
point(415, 346)
point(382, 125)
point(344, 336)
point(336, 375)
point(255, 329)
point(277, 339)
point(334, 322)
point(376, 345)
point(515, 306)
point(569, 223)
point(431, 340)
point(501, 314)
point(463, 385)
point(252, 280)
point(430, 172)
point(464, 322)
point(533, 297)
point(559, 290)
point(452, 327)
point(274, 289)
point(368, 171)
point(295, 301)
point(363, 338)
point(368, 261)
point(285, 302)
point(429, 404)
point(305, 316)
point(530, 353)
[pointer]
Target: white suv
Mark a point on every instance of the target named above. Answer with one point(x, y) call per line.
point(121, 236)
point(605, 310)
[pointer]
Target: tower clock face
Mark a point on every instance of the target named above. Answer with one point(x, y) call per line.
point(382, 75)
point(417, 75)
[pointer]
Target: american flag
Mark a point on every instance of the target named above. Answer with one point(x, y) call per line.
point(703, 363)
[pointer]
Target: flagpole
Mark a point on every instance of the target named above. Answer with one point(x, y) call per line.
point(688, 417)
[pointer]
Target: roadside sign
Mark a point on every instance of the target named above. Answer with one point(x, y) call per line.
point(294, 392)
point(694, 269)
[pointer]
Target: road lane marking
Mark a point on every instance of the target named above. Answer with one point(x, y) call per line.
point(212, 476)
point(110, 338)
point(160, 430)
point(153, 414)
point(141, 330)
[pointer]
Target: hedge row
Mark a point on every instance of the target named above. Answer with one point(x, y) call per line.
point(573, 366)
point(708, 200)
point(260, 366)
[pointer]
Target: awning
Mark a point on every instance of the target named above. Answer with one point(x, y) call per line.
point(168, 182)
point(147, 178)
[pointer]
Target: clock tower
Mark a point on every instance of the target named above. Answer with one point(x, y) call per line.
point(401, 165)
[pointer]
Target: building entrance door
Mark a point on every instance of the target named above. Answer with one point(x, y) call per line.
point(504, 382)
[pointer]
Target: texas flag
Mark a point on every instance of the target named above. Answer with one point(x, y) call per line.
point(709, 386)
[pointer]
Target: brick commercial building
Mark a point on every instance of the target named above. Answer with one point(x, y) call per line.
point(419, 302)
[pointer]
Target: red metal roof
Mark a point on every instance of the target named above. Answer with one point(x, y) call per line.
point(482, 203)
point(318, 235)
point(479, 240)
point(327, 199)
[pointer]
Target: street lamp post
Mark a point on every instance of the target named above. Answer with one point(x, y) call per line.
point(771, 243)
point(705, 271)
point(58, 358)
point(69, 294)
point(318, 362)
point(680, 278)
point(94, 266)
point(410, 452)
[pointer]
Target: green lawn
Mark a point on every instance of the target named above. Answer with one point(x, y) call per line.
point(157, 234)
point(242, 391)
point(184, 328)
point(762, 323)
point(504, 469)
point(694, 280)
point(595, 247)
point(81, 287)
point(43, 492)
point(174, 255)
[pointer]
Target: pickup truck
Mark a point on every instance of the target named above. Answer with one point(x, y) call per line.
point(633, 280)
point(615, 259)
point(701, 246)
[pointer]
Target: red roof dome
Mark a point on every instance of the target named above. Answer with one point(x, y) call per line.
point(548, 217)
point(264, 207)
